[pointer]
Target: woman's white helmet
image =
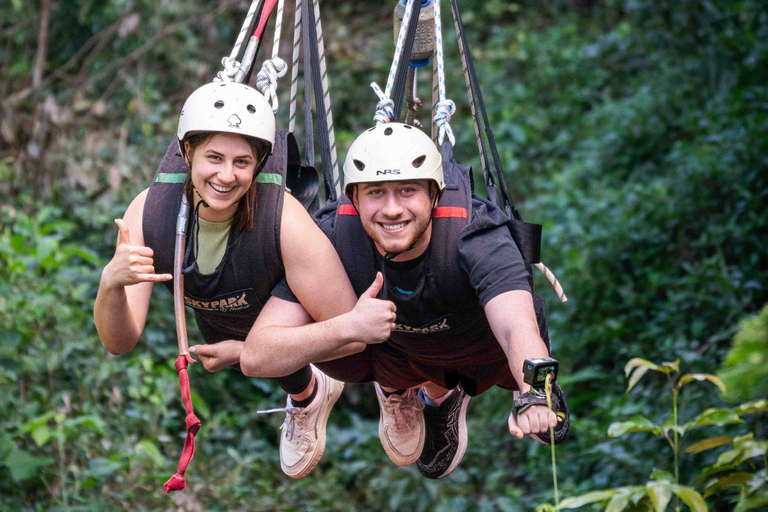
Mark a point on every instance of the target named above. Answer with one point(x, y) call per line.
point(227, 107)
point(392, 152)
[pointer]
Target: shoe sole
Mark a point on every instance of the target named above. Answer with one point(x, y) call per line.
point(394, 456)
point(334, 389)
point(462, 449)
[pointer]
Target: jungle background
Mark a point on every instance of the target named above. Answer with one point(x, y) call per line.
point(633, 130)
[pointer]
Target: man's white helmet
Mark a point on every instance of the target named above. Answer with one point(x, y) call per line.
point(392, 152)
point(227, 107)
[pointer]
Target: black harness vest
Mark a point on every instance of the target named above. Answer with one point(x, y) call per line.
point(227, 301)
point(443, 297)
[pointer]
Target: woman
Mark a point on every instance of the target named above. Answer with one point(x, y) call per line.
point(245, 235)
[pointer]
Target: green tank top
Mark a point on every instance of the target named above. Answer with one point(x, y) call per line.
point(212, 244)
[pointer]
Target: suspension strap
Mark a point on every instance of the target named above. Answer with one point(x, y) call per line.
point(274, 68)
point(526, 235)
point(403, 66)
point(295, 67)
point(309, 22)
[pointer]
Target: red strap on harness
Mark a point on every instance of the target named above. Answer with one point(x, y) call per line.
point(177, 482)
point(347, 209)
point(450, 211)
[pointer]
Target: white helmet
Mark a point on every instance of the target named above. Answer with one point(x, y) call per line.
point(227, 107)
point(392, 152)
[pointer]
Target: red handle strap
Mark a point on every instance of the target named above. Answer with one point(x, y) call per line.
point(177, 482)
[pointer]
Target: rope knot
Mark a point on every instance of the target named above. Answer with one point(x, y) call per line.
point(385, 108)
point(231, 67)
point(266, 79)
point(443, 112)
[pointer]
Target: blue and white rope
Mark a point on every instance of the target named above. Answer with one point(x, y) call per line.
point(274, 68)
point(231, 65)
point(444, 108)
point(385, 107)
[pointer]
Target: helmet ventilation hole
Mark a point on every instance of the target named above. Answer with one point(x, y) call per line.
point(418, 162)
point(408, 127)
point(219, 104)
point(251, 109)
point(388, 131)
point(360, 165)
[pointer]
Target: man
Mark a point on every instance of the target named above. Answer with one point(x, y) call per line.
point(465, 313)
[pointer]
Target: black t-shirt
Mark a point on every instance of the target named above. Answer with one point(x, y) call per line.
point(487, 255)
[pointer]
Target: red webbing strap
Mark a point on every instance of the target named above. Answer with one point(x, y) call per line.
point(177, 482)
point(450, 212)
point(347, 209)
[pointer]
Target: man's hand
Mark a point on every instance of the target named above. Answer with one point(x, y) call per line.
point(372, 319)
point(536, 419)
point(218, 356)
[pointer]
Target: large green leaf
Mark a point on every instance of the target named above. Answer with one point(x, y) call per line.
point(691, 497)
point(711, 417)
point(636, 424)
point(590, 497)
point(24, 465)
point(708, 444)
point(660, 494)
point(619, 502)
point(701, 377)
point(734, 478)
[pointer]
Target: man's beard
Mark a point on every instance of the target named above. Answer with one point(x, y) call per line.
point(398, 248)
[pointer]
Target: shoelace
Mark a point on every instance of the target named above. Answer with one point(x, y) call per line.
point(294, 418)
point(404, 408)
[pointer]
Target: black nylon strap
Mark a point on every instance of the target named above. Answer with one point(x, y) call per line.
point(309, 129)
point(405, 59)
point(322, 121)
point(478, 95)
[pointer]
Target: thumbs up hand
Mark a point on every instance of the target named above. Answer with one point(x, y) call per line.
point(373, 319)
point(131, 264)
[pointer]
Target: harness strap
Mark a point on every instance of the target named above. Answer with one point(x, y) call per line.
point(404, 63)
point(324, 121)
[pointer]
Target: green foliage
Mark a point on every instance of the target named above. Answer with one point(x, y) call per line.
point(633, 130)
point(745, 370)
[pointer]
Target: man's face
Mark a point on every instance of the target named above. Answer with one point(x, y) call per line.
point(395, 214)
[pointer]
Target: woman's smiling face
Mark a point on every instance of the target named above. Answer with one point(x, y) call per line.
point(222, 169)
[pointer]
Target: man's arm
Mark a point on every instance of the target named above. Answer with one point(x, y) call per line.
point(283, 339)
point(513, 321)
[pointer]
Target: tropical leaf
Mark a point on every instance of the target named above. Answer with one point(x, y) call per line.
point(711, 417)
point(636, 424)
point(717, 484)
point(636, 362)
point(590, 497)
point(637, 374)
point(749, 407)
point(660, 493)
point(701, 377)
point(618, 503)
point(690, 497)
point(24, 465)
point(708, 444)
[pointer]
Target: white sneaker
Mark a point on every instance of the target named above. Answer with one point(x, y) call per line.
point(401, 425)
point(302, 441)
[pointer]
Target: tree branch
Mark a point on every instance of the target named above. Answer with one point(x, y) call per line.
point(42, 44)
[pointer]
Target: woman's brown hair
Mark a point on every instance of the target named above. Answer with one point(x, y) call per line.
point(243, 218)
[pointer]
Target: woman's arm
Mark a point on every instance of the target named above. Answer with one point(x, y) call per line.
point(120, 311)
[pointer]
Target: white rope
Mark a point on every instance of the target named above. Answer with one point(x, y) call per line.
point(295, 66)
point(231, 64)
point(385, 107)
point(274, 68)
point(266, 79)
point(553, 281)
point(444, 108)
